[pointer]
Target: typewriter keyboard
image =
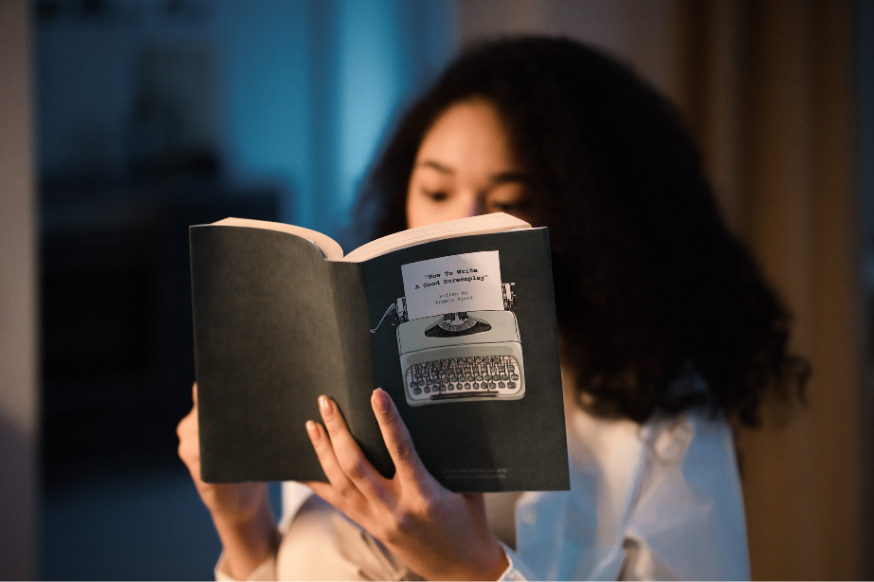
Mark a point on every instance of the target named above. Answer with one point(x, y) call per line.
point(471, 376)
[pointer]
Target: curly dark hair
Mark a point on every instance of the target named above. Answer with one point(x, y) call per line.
point(649, 280)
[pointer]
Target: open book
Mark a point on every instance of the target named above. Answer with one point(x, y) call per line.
point(456, 321)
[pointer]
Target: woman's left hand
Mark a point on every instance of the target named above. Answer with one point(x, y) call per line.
point(435, 532)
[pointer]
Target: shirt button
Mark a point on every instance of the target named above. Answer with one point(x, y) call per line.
point(529, 518)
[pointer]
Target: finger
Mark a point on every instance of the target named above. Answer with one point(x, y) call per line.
point(188, 448)
point(350, 497)
point(397, 438)
point(340, 491)
point(325, 491)
point(182, 426)
point(194, 394)
point(187, 428)
point(330, 495)
point(347, 454)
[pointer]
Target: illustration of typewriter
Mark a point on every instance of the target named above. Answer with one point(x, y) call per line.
point(461, 356)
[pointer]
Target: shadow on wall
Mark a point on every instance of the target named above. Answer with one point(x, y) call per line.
point(18, 500)
point(140, 524)
point(153, 116)
point(117, 370)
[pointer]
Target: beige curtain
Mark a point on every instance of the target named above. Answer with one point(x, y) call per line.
point(768, 87)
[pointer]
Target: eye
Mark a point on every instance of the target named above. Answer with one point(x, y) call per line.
point(509, 198)
point(507, 207)
point(435, 195)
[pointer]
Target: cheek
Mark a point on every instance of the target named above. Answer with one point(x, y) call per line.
point(412, 219)
point(420, 212)
point(413, 212)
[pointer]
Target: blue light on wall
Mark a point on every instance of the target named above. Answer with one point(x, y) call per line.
point(303, 89)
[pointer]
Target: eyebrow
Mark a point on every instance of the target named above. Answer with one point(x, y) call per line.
point(435, 166)
point(509, 176)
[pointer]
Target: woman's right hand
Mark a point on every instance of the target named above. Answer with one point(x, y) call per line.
point(232, 501)
point(240, 511)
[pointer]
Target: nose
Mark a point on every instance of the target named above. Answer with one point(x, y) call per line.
point(475, 206)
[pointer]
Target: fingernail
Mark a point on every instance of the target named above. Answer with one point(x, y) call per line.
point(326, 405)
point(312, 430)
point(380, 400)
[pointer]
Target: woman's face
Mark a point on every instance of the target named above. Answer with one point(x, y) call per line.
point(465, 167)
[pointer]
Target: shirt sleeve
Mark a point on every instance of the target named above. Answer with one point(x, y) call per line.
point(294, 495)
point(266, 571)
point(320, 543)
point(517, 570)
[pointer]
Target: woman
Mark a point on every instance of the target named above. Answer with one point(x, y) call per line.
point(669, 337)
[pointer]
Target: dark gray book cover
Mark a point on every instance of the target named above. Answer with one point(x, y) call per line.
point(460, 332)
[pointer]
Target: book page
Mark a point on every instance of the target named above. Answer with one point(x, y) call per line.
point(330, 248)
point(481, 224)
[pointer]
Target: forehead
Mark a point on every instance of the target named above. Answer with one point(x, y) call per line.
point(469, 134)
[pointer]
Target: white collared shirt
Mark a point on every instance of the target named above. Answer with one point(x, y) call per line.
point(652, 502)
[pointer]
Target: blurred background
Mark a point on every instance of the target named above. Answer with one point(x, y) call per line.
point(124, 121)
